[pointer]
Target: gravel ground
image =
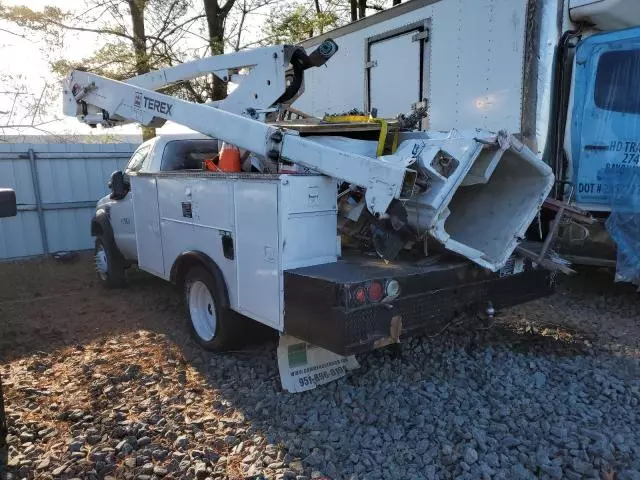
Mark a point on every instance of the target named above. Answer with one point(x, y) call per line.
point(108, 385)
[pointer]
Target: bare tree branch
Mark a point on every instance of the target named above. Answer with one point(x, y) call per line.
point(16, 34)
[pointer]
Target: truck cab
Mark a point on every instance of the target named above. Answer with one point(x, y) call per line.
point(113, 223)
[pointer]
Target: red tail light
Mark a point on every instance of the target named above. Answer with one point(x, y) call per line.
point(375, 291)
point(360, 295)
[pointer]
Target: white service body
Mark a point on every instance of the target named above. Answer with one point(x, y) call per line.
point(276, 223)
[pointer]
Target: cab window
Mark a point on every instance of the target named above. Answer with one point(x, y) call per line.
point(187, 154)
point(617, 81)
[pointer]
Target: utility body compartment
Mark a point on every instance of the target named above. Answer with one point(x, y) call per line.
point(272, 222)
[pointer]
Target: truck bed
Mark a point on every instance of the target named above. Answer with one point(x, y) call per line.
point(433, 291)
point(358, 268)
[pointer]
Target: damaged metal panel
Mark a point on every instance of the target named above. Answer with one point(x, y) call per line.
point(482, 192)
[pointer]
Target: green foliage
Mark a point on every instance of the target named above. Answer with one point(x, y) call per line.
point(294, 23)
point(297, 20)
point(114, 60)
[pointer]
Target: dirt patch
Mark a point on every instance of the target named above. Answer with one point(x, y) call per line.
point(46, 305)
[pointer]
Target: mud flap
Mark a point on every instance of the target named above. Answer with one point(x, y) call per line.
point(304, 366)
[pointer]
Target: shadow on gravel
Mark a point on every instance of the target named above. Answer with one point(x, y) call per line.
point(107, 367)
point(46, 305)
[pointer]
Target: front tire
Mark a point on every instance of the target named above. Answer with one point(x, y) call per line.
point(108, 267)
point(211, 322)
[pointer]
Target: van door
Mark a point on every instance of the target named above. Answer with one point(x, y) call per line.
point(395, 65)
point(605, 125)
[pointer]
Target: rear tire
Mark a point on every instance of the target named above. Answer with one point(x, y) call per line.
point(109, 268)
point(212, 324)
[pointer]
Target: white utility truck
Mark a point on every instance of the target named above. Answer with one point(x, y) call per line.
point(431, 225)
point(562, 75)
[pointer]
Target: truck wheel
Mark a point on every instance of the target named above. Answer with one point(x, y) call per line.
point(110, 270)
point(210, 320)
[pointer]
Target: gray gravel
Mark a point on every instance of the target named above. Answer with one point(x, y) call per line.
point(525, 400)
point(442, 412)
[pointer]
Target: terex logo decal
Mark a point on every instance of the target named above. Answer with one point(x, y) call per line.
point(137, 101)
point(157, 105)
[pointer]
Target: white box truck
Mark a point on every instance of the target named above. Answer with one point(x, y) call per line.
point(562, 74)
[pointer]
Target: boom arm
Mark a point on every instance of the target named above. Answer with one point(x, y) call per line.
point(95, 99)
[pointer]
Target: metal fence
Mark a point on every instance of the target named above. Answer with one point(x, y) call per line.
point(57, 186)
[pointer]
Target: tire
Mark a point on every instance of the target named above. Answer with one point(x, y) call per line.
point(212, 324)
point(109, 267)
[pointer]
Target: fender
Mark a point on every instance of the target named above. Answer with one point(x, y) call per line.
point(101, 225)
point(176, 275)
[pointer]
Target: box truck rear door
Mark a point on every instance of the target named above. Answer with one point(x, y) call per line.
point(395, 72)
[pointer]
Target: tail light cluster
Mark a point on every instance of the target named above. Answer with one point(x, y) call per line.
point(372, 292)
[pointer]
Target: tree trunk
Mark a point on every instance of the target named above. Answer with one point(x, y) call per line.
point(362, 8)
point(136, 8)
point(354, 10)
point(216, 16)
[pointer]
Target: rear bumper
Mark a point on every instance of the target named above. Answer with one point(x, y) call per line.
point(315, 312)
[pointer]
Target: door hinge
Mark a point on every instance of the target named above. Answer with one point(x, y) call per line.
point(371, 64)
point(423, 35)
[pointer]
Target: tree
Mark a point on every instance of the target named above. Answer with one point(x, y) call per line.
point(299, 20)
point(216, 16)
point(135, 35)
point(294, 23)
point(21, 108)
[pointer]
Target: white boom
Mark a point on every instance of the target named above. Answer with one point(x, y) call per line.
point(98, 100)
point(476, 194)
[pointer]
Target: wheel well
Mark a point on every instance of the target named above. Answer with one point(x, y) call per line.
point(182, 266)
point(96, 228)
point(191, 259)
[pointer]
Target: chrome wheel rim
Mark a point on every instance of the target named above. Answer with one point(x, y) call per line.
point(102, 266)
point(202, 310)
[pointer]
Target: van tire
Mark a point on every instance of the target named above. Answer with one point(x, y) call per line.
point(212, 324)
point(110, 270)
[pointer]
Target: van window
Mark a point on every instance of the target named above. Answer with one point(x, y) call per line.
point(618, 81)
point(187, 154)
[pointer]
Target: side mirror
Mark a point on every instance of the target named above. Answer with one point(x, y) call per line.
point(8, 206)
point(118, 185)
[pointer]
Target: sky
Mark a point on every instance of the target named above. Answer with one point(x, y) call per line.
point(32, 63)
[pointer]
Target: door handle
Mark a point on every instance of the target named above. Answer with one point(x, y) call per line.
point(597, 147)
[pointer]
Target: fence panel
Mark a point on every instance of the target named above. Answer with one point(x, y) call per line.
point(57, 186)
